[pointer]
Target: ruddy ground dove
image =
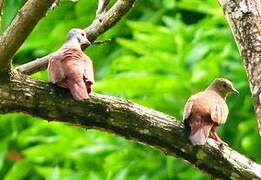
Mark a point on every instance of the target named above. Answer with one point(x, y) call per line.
point(206, 110)
point(70, 68)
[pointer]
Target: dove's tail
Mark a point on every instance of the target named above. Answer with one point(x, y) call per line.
point(77, 88)
point(198, 129)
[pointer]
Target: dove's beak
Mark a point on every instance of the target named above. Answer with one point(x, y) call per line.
point(87, 42)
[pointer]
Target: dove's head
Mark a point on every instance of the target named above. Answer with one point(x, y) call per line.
point(223, 86)
point(79, 35)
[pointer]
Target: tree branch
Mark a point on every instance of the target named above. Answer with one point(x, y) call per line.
point(99, 25)
point(126, 119)
point(1, 10)
point(244, 17)
point(34, 66)
point(24, 22)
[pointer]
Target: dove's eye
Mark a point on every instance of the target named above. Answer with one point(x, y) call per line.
point(82, 34)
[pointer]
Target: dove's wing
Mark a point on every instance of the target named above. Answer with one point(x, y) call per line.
point(88, 69)
point(55, 69)
point(219, 110)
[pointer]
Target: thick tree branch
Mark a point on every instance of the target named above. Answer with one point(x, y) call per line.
point(24, 22)
point(99, 25)
point(126, 119)
point(244, 17)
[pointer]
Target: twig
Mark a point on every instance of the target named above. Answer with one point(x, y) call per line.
point(98, 42)
point(101, 7)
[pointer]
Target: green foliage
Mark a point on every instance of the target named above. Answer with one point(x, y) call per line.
point(161, 54)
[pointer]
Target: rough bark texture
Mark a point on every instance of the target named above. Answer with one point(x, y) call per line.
point(18, 31)
point(124, 118)
point(99, 25)
point(244, 17)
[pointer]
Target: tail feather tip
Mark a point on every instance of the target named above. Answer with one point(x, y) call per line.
point(198, 139)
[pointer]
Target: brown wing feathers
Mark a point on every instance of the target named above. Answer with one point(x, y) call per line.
point(69, 71)
point(70, 68)
point(207, 109)
point(197, 120)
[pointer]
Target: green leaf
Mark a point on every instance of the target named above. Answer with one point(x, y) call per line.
point(55, 174)
point(20, 170)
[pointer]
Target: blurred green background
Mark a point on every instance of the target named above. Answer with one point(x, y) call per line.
point(162, 52)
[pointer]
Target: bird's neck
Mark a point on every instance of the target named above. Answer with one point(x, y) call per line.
point(216, 91)
point(72, 43)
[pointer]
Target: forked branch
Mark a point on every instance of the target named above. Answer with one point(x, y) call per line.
point(100, 25)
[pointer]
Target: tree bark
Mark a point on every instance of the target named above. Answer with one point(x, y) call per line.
point(124, 118)
point(244, 17)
